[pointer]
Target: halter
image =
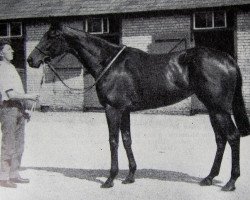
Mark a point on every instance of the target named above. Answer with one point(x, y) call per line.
point(87, 88)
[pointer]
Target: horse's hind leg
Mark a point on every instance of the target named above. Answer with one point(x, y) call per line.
point(126, 138)
point(221, 144)
point(234, 143)
point(113, 119)
point(233, 138)
point(225, 130)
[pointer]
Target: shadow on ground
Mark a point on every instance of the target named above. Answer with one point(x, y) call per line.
point(94, 175)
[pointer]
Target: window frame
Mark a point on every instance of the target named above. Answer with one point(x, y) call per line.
point(213, 21)
point(102, 25)
point(9, 35)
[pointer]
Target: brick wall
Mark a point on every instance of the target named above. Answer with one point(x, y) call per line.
point(142, 32)
point(53, 94)
point(140, 42)
point(243, 52)
point(168, 24)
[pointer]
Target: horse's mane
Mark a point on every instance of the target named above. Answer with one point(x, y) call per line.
point(100, 41)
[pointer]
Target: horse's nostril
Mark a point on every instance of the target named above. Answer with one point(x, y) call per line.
point(30, 61)
point(47, 59)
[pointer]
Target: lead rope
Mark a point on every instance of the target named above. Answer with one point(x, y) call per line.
point(39, 91)
point(86, 89)
point(77, 89)
point(58, 76)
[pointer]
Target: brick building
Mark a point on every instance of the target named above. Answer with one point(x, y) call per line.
point(155, 26)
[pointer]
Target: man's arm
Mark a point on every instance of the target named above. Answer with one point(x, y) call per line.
point(13, 95)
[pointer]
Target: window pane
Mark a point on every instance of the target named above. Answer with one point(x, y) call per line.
point(3, 30)
point(85, 28)
point(209, 19)
point(95, 25)
point(203, 20)
point(105, 25)
point(219, 19)
point(15, 29)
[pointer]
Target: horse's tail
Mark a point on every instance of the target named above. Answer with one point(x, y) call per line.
point(239, 109)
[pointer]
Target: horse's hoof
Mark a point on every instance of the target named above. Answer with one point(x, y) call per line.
point(206, 182)
point(128, 181)
point(228, 187)
point(107, 184)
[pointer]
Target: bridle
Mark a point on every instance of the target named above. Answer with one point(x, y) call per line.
point(47, 61)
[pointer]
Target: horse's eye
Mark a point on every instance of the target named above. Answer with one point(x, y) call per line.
point(48, 47)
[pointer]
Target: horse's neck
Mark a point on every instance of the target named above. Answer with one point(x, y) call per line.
point(93, 56)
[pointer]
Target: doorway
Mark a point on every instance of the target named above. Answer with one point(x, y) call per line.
point(222, 40)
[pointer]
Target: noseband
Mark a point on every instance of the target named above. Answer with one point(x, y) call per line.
point(42, 52)
point(47, 58)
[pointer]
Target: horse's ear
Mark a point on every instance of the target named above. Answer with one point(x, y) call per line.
point(56, 26)
point(55, 29)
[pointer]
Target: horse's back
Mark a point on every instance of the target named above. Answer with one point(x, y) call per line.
point(168, 78)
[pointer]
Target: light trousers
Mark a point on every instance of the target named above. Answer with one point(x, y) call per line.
point(12, 147)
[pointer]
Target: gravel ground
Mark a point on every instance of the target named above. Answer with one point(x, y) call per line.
point(67, 157)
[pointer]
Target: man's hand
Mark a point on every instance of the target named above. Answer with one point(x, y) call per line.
point(26, 115)
point(33, 97)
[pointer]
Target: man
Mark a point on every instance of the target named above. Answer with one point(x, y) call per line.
point(12, 118)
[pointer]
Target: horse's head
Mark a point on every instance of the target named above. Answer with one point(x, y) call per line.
point(51, 45)
point(94, 53)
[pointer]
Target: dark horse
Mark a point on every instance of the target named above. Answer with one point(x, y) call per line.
point(137, 80)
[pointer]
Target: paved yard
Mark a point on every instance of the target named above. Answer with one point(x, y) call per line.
point(67, 157)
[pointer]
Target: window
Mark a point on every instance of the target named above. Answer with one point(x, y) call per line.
point(3, 30)
point(13, 29)
point(210, 20)
point(97, 25)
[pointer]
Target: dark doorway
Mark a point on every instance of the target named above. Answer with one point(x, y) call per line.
point(222, 40)
point(19, 58)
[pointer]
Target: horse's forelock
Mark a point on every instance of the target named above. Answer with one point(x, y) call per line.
point(54, 33)
point(56, 26)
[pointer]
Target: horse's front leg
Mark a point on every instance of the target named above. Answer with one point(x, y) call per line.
point(113, 116)
point(127, 142)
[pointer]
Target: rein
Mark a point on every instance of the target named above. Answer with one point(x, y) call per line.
point(77, 89)
point(105, 70)
point(54, 70)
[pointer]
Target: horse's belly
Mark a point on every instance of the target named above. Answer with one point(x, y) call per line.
point(154, 99)
point(171, 97)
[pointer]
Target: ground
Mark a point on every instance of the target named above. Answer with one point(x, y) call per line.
point(67, 157)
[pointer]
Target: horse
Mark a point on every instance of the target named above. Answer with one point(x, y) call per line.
point(128, 79)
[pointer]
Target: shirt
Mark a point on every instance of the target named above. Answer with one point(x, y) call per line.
point(9, 80)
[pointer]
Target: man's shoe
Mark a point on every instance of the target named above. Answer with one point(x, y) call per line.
point(20, 180)
point(7, 183)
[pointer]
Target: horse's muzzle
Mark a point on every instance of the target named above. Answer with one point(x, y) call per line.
point(32, 64)
point(30, 61)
